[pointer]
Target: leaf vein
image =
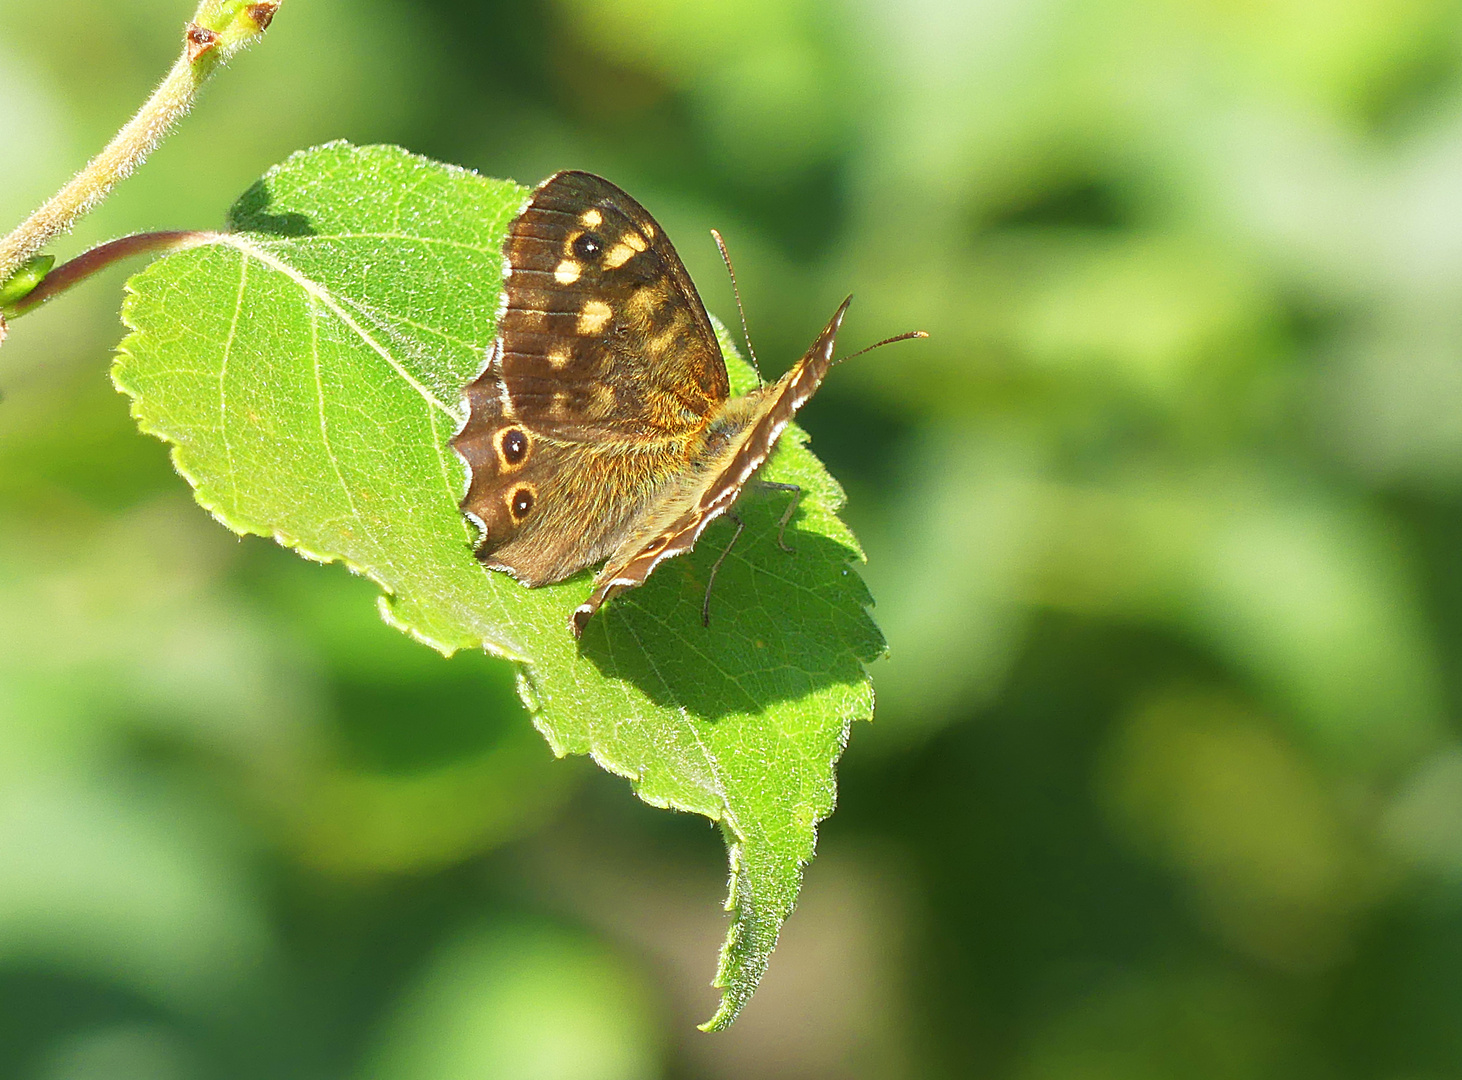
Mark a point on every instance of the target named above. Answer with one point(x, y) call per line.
point(233, 328)
point(323, 295)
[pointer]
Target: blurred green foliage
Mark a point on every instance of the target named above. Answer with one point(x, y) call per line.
point(1162, 522)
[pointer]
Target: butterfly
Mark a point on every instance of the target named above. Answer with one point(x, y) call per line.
point(602, 428)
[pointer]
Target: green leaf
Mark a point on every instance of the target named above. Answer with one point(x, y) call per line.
point(24, 281)
point(307, 368)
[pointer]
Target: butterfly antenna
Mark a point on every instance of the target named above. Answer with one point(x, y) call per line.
point(886, 341)
point(726, 258)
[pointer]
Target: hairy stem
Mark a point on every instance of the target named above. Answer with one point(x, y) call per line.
point(219, 28)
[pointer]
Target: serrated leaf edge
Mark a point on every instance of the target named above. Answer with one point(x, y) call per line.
point(124, 353)
point(736, 977)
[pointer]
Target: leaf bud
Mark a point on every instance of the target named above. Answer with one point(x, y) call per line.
point(31, 273)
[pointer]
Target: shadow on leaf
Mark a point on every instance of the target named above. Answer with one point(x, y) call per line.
point(250, 214)
point(782, 624)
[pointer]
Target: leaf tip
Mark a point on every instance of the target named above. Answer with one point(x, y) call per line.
point(722, 1020)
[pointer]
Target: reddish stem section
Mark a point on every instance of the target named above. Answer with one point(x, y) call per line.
point(100, 258)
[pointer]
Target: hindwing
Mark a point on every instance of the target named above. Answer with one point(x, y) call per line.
point(549, 507)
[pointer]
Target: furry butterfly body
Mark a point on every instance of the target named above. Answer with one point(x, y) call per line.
point(603, 428)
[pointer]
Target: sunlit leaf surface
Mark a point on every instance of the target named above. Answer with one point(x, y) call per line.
point(307, 368)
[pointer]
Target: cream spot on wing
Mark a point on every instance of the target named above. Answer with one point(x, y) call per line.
point(636, 241)
point(567, 272)
point(603, 402)
point(594, 317)
point(658, 346)
point(643, 303)
point(558, 356)
point(618, 255)
point(591, 217)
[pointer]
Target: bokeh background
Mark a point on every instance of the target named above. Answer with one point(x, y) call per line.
point(1163, 522)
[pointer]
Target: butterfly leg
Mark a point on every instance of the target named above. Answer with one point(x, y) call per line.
point(706, 603)
point(791, 509)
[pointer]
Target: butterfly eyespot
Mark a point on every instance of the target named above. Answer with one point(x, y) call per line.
point(587, 245)
point(513, 445)
point(521, 503)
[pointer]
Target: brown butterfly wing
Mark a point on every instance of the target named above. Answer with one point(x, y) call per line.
point(603, 331)
point(764, 415)
point(548, 508)
point(603, 374)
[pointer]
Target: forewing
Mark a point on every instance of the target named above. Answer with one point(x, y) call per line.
point(603, 331)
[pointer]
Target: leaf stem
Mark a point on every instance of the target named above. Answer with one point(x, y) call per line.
point(218, 30)
point(99, 258)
